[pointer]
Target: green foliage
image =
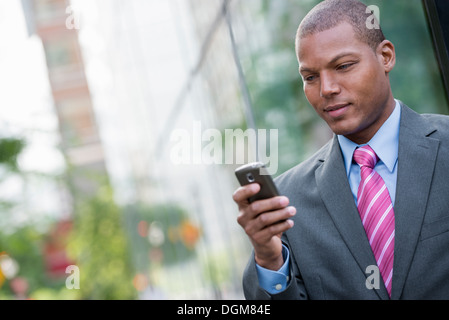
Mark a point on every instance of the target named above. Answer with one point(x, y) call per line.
point(100, 249)
point(162, 233)
point(24, 246)
point(10, 148)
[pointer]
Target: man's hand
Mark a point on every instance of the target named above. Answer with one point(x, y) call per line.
point(264, 221)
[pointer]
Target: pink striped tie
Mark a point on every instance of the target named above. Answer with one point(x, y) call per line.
point(376, 212)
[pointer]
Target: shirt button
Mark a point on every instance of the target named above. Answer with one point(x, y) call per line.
point(278, 286)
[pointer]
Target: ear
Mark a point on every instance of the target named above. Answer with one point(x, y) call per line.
point(387, 55)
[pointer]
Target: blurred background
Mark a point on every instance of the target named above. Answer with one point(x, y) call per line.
point(91, 93)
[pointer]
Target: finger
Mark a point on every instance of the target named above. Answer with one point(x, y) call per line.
point(251, 211)
point(270, 204)
point(266, 234)
point(267, 219)
point(243, 193)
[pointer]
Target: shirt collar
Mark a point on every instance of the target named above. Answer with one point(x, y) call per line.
point(385, 142)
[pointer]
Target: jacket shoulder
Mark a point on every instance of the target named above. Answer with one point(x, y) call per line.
point(427, 124)
point(304, 171)
point(439, 122)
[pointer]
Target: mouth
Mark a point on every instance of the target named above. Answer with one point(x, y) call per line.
point(337, 110)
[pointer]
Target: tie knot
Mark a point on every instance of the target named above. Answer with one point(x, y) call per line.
point(365, 156)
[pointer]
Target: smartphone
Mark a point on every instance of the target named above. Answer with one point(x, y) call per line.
point(256, 172)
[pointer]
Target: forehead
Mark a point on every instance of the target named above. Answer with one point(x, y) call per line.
point(324, 46)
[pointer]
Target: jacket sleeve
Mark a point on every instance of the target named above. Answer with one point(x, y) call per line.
point(295, 289)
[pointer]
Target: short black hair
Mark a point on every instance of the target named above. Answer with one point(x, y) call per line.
point(330, 13)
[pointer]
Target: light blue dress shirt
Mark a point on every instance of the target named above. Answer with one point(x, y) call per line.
point(385, 143)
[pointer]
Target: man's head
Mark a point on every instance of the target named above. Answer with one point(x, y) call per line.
point(330, 13)
point(344, 66)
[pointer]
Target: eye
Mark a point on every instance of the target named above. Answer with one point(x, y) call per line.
point(345, 66)
point(309, 78)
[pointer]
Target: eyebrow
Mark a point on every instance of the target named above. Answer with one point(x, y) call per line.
point(336, 58)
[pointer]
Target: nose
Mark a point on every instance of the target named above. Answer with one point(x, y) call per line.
point(329, 86)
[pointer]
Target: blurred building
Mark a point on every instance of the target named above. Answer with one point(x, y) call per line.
point(57, 26)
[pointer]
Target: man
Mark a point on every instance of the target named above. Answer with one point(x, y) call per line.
point(366, 217)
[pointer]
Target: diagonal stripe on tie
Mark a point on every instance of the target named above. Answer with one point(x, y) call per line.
point(376, 212)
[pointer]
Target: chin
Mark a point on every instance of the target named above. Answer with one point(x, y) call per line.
point(341, 129)
point(348, 125)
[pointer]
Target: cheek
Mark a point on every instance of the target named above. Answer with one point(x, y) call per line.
point(367, 83)
point(312, 95)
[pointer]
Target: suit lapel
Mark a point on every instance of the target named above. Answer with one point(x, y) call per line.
point(416, 161)
point(336, 194)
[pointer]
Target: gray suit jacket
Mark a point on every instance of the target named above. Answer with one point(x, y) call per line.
point(328, 246)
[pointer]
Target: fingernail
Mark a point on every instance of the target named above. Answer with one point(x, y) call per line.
point(284, 201)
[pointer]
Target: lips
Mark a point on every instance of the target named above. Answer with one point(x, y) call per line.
point(337, 110)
